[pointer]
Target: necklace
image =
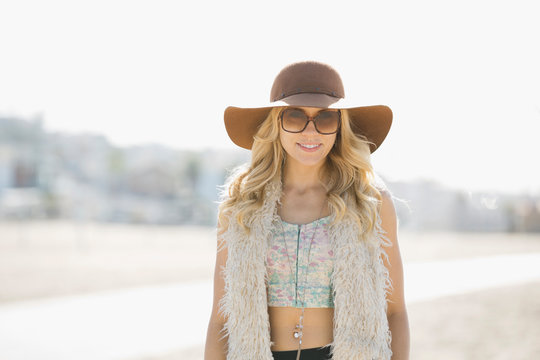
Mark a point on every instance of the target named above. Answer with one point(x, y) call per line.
point(298, 331)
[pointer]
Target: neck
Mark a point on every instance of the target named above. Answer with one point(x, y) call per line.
point(301, 177)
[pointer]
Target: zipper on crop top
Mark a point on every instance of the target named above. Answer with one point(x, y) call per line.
point(297, 252)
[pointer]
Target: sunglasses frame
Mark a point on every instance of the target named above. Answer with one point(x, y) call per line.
point(310, 118)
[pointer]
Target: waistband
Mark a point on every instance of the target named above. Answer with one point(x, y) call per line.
point(316, 353)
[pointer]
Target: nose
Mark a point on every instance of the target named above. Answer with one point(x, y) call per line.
point(310, 128)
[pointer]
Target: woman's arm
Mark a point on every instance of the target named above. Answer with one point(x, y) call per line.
point(396, 311)
point(216, 349)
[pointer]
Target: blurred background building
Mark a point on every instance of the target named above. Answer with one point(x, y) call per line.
point(85, 178)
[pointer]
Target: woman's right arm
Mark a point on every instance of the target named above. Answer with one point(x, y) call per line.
point(216, 349)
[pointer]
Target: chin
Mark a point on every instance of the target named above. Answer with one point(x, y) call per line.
point(310, 161)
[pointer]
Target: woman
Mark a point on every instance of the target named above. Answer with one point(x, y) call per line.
point(301, 272)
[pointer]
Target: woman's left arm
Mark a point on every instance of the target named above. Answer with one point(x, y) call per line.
point(396, 312)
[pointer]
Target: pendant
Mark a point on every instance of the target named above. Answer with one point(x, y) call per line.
point(297, 333)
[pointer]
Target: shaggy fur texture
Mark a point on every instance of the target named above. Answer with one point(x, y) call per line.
point(360, 285)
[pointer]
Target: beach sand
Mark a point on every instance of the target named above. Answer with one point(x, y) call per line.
point(48, 259)
point(494, 324)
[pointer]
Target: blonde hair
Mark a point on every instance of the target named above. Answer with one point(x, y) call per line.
point(348, 172)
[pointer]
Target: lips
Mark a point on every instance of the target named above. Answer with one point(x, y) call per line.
point(309, 147)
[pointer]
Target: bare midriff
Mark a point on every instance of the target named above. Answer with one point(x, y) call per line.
point(318, 327)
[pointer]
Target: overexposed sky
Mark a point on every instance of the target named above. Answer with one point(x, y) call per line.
point(462, 77)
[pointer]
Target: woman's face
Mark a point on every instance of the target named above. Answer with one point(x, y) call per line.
point(308, 147)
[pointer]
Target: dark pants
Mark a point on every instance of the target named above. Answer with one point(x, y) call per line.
point(317, 353)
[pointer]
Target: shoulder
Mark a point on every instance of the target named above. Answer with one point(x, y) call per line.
point(387, 208)
point(379, 183)
point(387, 214)
point(387, 202)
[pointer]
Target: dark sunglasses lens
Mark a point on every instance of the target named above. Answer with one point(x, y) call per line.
point(294, 120)
point(327, 121)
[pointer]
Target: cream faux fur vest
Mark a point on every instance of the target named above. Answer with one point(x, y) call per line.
point(360, 282)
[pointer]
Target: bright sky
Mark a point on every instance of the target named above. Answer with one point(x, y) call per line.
point(462, 77)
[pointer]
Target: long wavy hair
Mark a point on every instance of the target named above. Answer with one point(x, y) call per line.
point(348, 173)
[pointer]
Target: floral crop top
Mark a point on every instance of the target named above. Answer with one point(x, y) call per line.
point(284, 272)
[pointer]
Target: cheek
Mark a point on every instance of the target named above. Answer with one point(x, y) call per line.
point(281, 137)
point(332, 141)
point(329, 145)
point(286, 141)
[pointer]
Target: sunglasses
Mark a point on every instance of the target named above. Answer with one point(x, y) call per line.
point(295, 120)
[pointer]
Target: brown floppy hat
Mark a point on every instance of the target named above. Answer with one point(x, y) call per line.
point(308, 84)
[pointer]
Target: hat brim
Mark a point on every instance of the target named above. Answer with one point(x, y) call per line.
point(373, 122)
